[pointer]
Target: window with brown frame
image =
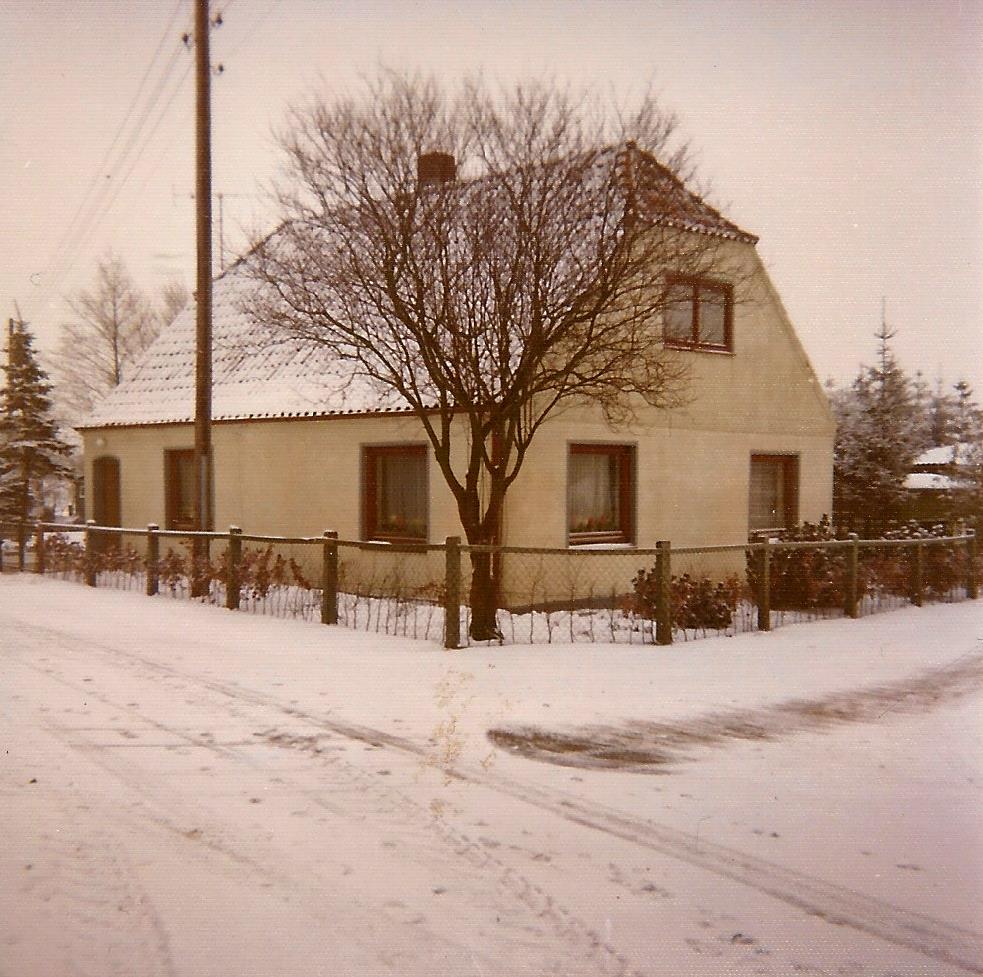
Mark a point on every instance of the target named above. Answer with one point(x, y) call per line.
point(774, 489)
point(179, 489)
point(395, 493)
point(699, 314)
point(600, 493)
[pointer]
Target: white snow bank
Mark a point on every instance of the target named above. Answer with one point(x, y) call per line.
point(181, 788)
point(383, 677)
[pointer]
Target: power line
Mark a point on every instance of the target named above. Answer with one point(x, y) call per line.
point(93, 210)
point(256, 24)
point(109, 186)
point(122, 126)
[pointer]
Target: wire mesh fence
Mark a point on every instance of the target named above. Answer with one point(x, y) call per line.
point(626, 595)
point(392, 589)
point(610, 594)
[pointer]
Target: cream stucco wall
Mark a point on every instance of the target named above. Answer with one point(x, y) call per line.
point(693, 462)
point(302, 476)
point(279, 477)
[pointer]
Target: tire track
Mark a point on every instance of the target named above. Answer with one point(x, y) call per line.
point(104, 915)
point(836, 904)
point(77, 885)
point(588, 948)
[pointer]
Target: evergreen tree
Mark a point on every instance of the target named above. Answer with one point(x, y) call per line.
point(30, 447)
point(968, 418)
point(939, 416)
point(879, 434)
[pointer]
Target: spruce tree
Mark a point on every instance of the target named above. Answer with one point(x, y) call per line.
point(30, 447)
point(878, 438)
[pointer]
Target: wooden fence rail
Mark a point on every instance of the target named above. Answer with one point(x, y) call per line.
point(761, 554)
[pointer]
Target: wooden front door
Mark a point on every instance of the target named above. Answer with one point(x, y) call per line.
point(106, 500)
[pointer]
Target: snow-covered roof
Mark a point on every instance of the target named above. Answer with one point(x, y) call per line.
point(253, 375)
point(922, 481)
point(948, 454)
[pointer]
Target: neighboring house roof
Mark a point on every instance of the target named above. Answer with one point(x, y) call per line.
point(930, 481)
point(949, 454)
point(256, 377)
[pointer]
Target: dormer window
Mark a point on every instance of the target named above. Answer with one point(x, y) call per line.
point(699, 314)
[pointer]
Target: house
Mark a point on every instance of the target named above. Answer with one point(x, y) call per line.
point(299, 447)
point(940, 485)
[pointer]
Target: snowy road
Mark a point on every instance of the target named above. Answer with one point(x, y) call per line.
point(191, 792)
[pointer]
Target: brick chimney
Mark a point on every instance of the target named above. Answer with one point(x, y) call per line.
point(433, 169)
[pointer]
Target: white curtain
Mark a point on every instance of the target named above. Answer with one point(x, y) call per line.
point(402, 494)
point(593, 494)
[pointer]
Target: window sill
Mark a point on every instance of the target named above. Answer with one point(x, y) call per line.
point(403, 542)
point(599, 545)
point(694, 348)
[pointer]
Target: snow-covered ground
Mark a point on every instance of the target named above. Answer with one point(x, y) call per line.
point(187, 791)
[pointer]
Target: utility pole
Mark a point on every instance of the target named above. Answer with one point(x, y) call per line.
point(203, 201)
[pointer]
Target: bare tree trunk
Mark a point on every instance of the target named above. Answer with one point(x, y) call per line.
point(485, 590)
point(484, 598)
point(25, 505)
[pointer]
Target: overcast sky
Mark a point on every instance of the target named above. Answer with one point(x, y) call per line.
point(847, 135)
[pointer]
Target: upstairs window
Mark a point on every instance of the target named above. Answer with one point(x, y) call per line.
point(774, 492)
point(599, 493)
point(396, 497)
point(179, 482)
point(698, 314)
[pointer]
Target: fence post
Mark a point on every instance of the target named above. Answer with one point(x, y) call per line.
point(39, 548)
point(764, 586)
point(663, 592)
point(234, 557)
point(918, 575)
point(329, 578)
point(852, 575)
point(153, 559)
point(90, 553)
point(972, 587)
point(452, 592)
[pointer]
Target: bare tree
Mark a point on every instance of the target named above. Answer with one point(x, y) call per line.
point(171, 301)
point(488, 301)
point(113, 323)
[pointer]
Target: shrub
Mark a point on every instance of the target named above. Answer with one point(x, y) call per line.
point(263, 570)
point(62, 555)
point(891, 569)
point(803, 579)
point(696, 602)
point(810, 579)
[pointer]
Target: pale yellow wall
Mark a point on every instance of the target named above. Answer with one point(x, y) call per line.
point(287, 478)
point(766, 384)
point(693, 462)
point(301, 476)
point(692, 486)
